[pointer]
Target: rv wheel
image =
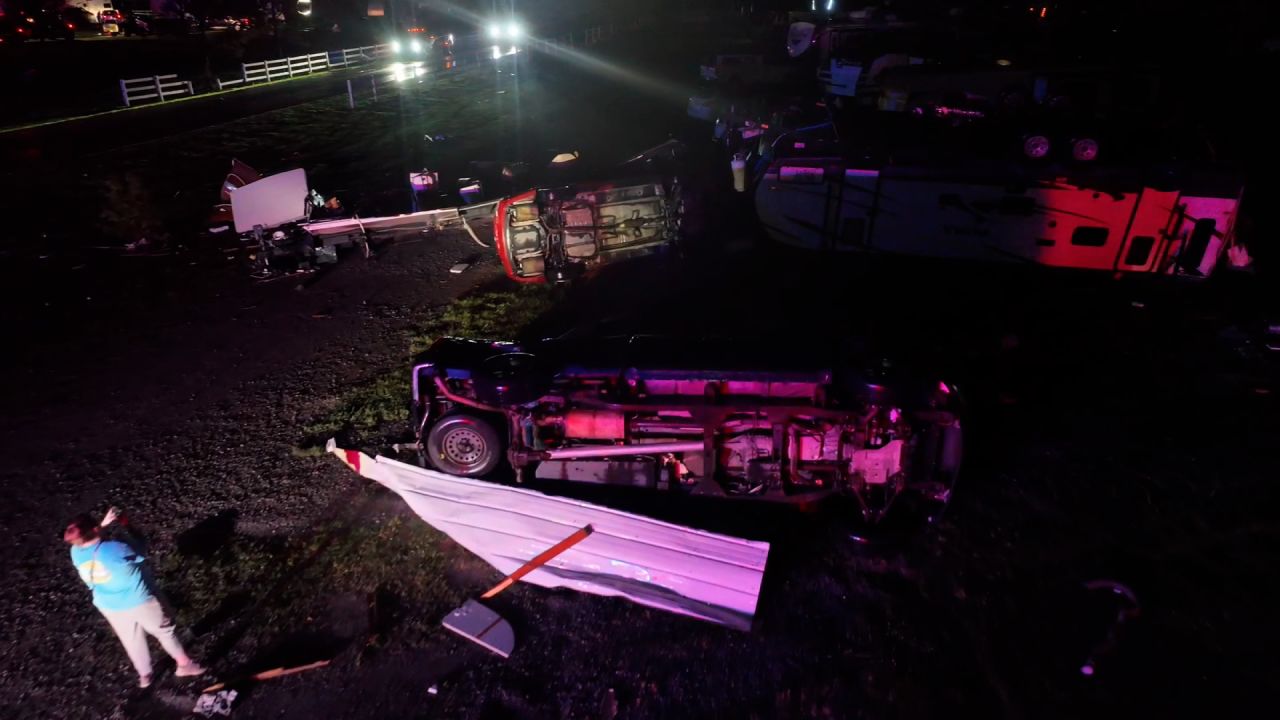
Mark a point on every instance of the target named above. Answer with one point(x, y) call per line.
point(464, 445)
point(1084, 149)
point(1036, 147)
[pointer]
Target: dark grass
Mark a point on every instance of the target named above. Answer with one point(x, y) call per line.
point(245, 596)
point(382, 404)
point(49, 80)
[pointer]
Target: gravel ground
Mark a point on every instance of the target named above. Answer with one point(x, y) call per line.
point(192, 411)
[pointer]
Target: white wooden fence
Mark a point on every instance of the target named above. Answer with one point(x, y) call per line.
point(289, 67)
point(159, 88)
point(156, 87)
point(163, 87)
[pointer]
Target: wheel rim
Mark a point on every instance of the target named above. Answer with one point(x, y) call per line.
point(1085, 149)
point(1036, 147)
point(464, 447)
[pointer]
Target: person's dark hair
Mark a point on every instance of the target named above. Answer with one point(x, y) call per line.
point(85, 524)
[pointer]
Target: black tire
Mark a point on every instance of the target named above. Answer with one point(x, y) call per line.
point(464, 445)
point(1036, 146)
point(1084, 149)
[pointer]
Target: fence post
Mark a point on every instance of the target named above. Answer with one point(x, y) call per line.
point(351, 96)
point(155, 80)
point(244, 73)
point(189, 90)
point(373, 83)
point(124, 93)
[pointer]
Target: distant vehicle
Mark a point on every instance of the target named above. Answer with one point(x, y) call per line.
point(44, 25)
point(228, 22)
point(139, 23)
point(111, 22)
point(774, 423)
point(416, 42)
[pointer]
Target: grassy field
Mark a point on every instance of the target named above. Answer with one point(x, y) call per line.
point(363, 410)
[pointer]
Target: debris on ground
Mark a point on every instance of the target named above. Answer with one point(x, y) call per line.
point(485, 627)
point(215, 704)
point(661, 565)
point(274, 673)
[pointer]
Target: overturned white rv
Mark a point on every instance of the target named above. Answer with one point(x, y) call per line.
point(1087, 218)
point(678, 569)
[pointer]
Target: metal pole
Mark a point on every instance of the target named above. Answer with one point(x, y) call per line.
point(155, 79)
point(189, 90)
point(373, 82)
point(351, 96)
point(244, 73)
point(124, 93)
point(622, 450)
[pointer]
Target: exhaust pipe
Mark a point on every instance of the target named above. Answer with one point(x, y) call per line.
point(620, 450)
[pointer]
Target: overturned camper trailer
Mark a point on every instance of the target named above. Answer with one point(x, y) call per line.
point(1082, 220)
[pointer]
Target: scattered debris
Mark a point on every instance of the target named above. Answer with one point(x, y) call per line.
point(215, 704)
point(270, 674)
point(433, 690)
point(459, 268)
point(485, 627)
point(658, 564)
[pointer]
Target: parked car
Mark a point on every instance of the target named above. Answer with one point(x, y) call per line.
point(43, 25)
point(416, 42)
point(232, 23)
point(777, 423)
point(111, 22)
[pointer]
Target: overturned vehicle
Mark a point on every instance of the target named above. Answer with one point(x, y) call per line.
point(556, 234)
point(650, 413)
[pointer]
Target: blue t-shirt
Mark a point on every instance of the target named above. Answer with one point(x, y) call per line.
point(114, 572)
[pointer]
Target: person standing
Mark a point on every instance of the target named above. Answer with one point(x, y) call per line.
point(113, 572)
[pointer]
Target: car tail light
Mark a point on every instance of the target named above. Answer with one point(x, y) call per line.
point(70, 26)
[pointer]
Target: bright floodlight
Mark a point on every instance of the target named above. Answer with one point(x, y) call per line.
point(495, 31)
point(395, 46)
point(514, 31)
point(497, 52)
point(415, 46)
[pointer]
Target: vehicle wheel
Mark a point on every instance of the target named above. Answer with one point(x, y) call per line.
point(464, 445)
point(1084, 149)
point(1036, 147)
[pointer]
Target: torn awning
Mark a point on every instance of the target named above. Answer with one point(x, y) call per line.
point(654, 563)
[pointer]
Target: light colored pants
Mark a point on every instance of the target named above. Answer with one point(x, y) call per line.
point(132, 627)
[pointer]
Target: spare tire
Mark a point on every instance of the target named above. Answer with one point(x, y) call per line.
point(1084, 149)
point(1036, 146)
point(464, 445)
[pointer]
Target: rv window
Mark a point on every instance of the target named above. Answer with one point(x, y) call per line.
point(1089, 236)
point(1139, 250)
